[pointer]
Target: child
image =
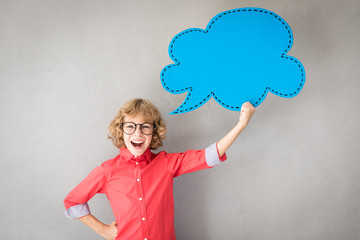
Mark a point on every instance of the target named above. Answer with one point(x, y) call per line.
point(139, 183)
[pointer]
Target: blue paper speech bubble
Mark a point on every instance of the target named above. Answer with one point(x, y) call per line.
point(239, 57)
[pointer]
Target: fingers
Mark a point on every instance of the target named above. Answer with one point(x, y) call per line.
point(247, 110)
point(114, 223)
point(113, 230)
point(247, 107)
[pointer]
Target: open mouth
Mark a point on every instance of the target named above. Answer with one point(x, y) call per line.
point(137, 144)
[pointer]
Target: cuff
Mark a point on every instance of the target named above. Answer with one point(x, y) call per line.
point(212, 155)
point(77, 211)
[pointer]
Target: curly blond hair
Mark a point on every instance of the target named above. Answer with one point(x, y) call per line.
point(140, 108)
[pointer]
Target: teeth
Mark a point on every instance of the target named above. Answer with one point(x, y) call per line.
point(137, 141)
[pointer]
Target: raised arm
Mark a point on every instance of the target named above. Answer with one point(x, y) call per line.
point(247, 110)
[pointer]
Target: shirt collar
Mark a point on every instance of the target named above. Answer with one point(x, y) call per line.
point(127, 155)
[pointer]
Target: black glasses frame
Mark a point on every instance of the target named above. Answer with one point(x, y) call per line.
point(122, 125)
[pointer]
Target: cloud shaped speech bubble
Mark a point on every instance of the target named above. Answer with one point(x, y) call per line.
point(239, 57)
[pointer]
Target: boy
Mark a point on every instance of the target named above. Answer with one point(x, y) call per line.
point(139, 183)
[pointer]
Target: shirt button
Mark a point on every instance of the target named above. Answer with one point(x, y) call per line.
point(140, 199)
point(143, 219)
point(138, 179)
point(137, 163)
point(145, 238)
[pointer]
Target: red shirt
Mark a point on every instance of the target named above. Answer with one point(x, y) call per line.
point(140, 190)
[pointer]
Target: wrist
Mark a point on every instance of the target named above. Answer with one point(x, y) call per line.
point(101, 229)
point(241, 125)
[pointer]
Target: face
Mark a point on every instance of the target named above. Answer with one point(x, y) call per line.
point(137, 143)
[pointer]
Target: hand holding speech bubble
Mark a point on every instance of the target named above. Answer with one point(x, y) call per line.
point(239, 57)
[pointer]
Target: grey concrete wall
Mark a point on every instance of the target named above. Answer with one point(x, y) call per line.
point(67, 66)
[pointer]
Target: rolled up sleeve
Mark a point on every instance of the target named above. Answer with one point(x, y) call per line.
point(77, 211)
point(212, 155)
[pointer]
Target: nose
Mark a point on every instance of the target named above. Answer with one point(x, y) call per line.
point(138, 131)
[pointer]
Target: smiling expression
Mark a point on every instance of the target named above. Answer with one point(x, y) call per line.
point(137, 143)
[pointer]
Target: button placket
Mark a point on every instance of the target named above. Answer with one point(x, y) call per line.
point(141, 202)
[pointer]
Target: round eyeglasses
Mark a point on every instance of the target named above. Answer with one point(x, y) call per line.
point(129, 128)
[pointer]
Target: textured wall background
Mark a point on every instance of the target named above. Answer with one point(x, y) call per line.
point(67, 66)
